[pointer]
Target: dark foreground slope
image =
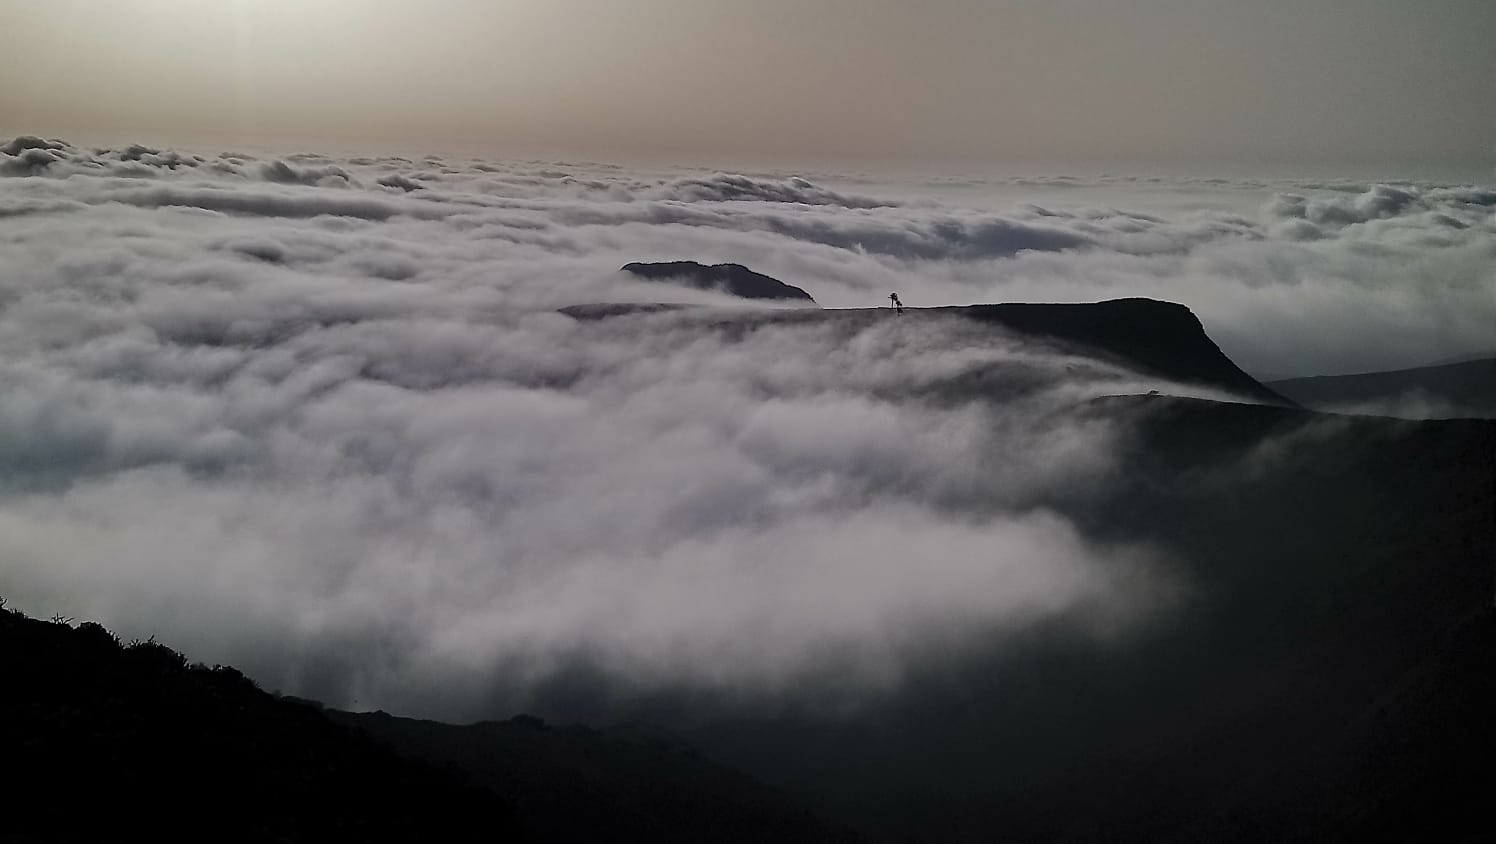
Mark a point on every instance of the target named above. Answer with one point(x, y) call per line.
point(104, 742)
point(575, 784)
point(1467, 388)
point(1327, 671)
point(1333, 674)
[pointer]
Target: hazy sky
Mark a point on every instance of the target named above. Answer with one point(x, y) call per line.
point(1329, 82)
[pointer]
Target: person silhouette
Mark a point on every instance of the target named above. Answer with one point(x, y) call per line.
point(897, 305)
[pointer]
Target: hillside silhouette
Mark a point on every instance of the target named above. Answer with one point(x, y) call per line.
point(733, 279)
point(1328, 675)
point(1162, 339)
point(626, 784)
point(112, 742)
point(1463, 388)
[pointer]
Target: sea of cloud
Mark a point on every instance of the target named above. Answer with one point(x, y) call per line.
point(321, 418)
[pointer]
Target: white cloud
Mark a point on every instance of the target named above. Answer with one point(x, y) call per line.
point(321, 418)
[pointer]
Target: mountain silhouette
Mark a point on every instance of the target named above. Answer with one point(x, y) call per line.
point(1327, 674)
point(1161, 338)
point(626, 784)
point(111, 742)
point(733, 279)
point(1465, 388)
point(1157, 338)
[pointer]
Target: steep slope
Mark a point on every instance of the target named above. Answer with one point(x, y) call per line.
point(1465, 389)
point(111, 743)
point(1164, 338)
point(1161, 339)
point(1323, 673)
point(734, 279)
point(1329, 681)
point(574, 784)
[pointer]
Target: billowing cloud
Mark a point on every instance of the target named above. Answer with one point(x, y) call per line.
point(727, 187)
point(322, 418)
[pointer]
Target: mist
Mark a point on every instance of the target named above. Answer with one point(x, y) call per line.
point(321, 418)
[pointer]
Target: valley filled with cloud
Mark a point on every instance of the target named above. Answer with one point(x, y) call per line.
point(324, 419)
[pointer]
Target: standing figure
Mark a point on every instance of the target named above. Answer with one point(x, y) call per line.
point(897, 305)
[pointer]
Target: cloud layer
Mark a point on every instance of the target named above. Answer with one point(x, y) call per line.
point(321, 418)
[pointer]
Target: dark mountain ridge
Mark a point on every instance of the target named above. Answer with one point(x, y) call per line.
point(734, 279)
point(1163, 338)
point(111, 742)
point(1465, 388)
point(1157, 338)
point(1327, 674)
point(623, 784)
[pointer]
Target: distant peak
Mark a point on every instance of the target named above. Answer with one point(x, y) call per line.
point(733, 279)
